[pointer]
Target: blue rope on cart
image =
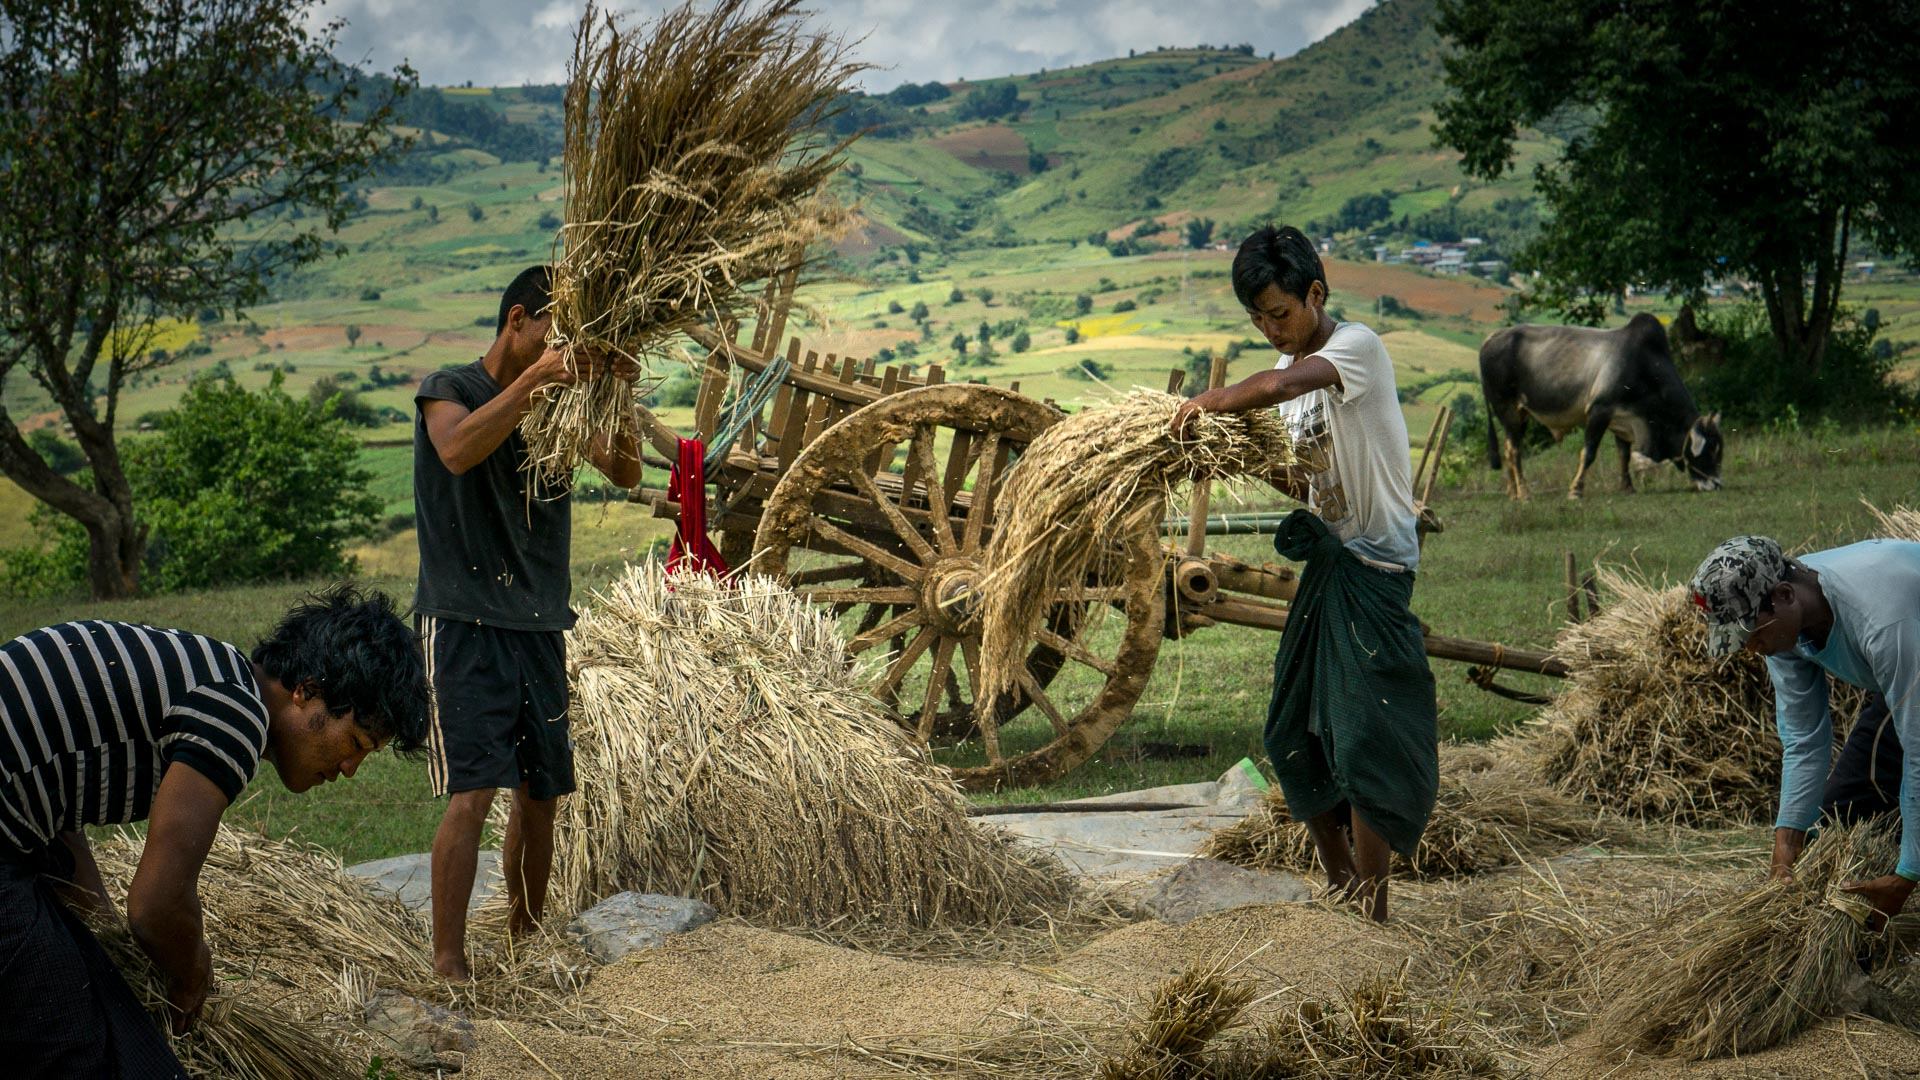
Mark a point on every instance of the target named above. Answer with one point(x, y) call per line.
point(745, 406)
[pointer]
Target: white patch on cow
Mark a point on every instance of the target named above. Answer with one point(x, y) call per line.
point(1696, 443)
point(1642, 463)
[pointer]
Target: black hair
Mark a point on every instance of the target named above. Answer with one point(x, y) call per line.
point(1283, 257)
point(532, 289)
point(359, 655)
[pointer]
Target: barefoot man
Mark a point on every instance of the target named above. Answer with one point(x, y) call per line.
point(493, 614)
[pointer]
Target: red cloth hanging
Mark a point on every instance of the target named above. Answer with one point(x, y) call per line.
point(692, 552)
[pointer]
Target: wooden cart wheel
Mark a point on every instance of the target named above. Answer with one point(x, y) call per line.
point(900, 498)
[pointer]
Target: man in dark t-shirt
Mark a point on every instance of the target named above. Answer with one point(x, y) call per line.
point(492, 609)
point(105, 723)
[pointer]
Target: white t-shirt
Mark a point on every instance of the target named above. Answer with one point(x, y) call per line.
point(1352, 441)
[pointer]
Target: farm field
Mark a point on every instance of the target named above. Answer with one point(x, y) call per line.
point(1494, 574)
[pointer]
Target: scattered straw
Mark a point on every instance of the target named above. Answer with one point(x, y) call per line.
point(1736, 973)
point(1489, 812)
point(725, 749)
point(1098, 476)
point(1900, 523)
point(1649, 725)
point(693, 167)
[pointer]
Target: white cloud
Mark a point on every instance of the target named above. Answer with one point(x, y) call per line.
point(509, 42)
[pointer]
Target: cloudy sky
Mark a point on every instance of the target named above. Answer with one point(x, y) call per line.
point(509, 42)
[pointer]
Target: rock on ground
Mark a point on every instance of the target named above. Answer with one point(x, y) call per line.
point(630, 921)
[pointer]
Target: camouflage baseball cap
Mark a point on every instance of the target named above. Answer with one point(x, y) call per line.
point(1732, 584)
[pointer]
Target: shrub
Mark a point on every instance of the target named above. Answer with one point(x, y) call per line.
point(1124, 306)
point(1750, 383)
point(1073, 334)
point(1090, 369)
point(1022, 341)
point(237, 486)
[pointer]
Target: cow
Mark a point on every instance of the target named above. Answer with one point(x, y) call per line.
point(1574, 377)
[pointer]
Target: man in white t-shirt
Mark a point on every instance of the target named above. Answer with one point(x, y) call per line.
point(1351, 730)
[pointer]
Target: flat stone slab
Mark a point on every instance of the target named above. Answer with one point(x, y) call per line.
point(410, 878)
point(1204, 886)
point(630, 921)
point(1130, 845)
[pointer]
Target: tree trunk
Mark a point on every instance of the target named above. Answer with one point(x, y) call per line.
point(115, 541)
point(1802, 323)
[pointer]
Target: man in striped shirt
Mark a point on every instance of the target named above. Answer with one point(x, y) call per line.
point(105, 723)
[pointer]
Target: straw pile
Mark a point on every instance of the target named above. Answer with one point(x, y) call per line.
point(299, 947)
point(1901, 523)
point(693, 167)
point(1490, 811)
point(1736, 974)
point(1650, 726)
point(1099, 476)
point(726, 749)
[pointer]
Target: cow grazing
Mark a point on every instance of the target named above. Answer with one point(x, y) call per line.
point(1573, 377)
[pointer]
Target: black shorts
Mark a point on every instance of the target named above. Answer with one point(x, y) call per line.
point(499, 712)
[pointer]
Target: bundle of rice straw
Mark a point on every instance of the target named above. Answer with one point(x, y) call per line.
point(1900, 523)
point(726, 749)
point(1187, 1011)
point(1490, 811)
point(299, 946)
point(1381, 1030)
point(1736, 974)
point(1097, 477)
point(1192, 1030)
point(694, 166)
point(1650, 726)
point(236, 1037)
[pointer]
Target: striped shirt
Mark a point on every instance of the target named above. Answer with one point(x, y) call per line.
point(92, 713)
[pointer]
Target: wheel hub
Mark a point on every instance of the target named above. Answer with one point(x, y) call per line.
point(948, 594)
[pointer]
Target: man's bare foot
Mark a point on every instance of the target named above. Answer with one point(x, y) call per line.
point(453, 968)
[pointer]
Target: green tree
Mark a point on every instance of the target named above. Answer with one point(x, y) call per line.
point(960, 344)
point(330, 393)
point(1073, 335)
point(155, 156)
point(1082, 304)
point(474, 213)
point(1199, 233)
point(433, 213)
point(250, 486)
point(985, 295)
point(986, 332)
point(919, 311)
point(353, 335)
point(1729, 138)
point(1022, 341)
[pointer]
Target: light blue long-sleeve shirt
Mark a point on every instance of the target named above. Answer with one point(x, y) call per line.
point(1873, 589)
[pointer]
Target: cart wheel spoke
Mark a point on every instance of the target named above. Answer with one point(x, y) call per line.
point(986, 714)
point(827, 530)
point(937, 499)
point(936, 682)
point(981, 508)
point(901, 526)
point(1040, 699)
point(818, 574)
point(1073, 650)
point(896, 625)
point(865, 594)
point(1081, 594)
point(889, 685)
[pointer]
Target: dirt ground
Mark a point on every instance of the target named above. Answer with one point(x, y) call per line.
point(730, 1000)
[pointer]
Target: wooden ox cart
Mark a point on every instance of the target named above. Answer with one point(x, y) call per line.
point(873, 491)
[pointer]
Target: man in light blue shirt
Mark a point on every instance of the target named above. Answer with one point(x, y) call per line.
point(1852, 612)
